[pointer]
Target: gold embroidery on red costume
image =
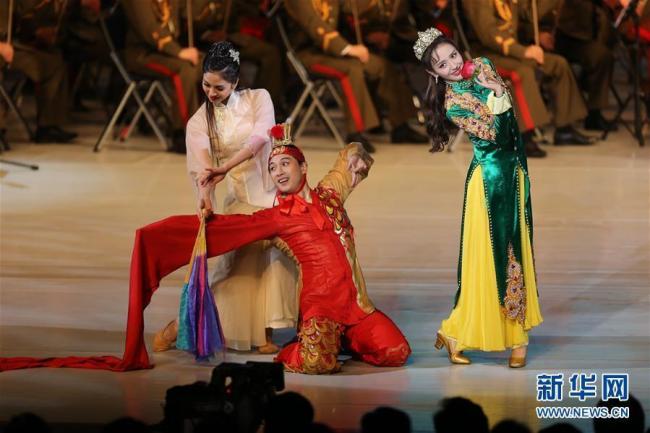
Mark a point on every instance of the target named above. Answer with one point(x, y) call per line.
point(320, 342)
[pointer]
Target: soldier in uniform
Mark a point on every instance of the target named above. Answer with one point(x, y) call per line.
point(83, 43)
point(235, 20)
point(582, 35)
point(34, 51)
point(83, 39)
point(387, 31)
point(495, 30)
point(432, 13)
point(323, 50)
point(153, 48)
point(385, 27)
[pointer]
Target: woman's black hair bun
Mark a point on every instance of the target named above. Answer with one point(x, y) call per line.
point(223, 49)
point(223, 57)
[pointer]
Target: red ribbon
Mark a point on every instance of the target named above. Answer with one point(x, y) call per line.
point(295, 204)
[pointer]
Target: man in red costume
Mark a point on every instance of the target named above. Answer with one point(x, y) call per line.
point(312, 227)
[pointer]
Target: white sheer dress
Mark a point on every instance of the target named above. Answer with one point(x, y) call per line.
point(255, 286)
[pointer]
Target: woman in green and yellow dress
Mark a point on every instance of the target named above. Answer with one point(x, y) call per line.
point(497, 302)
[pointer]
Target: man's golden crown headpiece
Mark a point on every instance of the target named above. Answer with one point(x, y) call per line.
point(282, 142)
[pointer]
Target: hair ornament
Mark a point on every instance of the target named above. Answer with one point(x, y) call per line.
point(234, 54)
point(425, 39)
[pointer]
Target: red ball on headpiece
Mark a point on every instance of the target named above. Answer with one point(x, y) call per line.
point(282, 144)
point(277, 132)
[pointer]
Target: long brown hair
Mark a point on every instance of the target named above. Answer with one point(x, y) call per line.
point(438, 125)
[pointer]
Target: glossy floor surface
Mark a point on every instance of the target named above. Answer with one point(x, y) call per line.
point(66, 236)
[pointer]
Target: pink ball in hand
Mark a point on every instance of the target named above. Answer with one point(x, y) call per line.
point(468, 70)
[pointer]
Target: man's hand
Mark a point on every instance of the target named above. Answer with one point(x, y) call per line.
point(7, 52)
point(536, 53)
point(360, 52)
point(189, 54)
point(379, 39)
point(358, 168)
point(547, 41)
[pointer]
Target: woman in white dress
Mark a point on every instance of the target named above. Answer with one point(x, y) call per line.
point(255, 286)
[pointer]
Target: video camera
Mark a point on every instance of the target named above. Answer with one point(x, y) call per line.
point(233, 401)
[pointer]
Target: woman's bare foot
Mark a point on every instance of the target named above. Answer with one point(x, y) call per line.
point(269, 347)
point(165, 339)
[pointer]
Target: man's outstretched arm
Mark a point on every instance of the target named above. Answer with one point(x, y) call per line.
point(165, 246)
point(350, 168)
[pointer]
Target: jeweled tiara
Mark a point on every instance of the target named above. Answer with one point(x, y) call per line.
point(425, 39)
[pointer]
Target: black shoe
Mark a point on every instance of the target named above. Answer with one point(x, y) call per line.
point(404, 134)
point(377, 130)
point(53, 134)
point(80, 107)
point(533, 150)
point(178, 142)
point(596, 122)
point(569, 136)
point(359, 137)
point(4, 144)
point(66, 134)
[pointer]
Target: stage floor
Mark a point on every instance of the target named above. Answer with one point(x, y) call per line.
point(67, 231)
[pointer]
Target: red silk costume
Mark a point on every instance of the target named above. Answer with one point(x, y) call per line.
point(334, 307)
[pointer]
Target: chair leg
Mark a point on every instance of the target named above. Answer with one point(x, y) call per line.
point(163, 93)
point(78, 80)
point(150, 119)
point(152, 122)
point(310, 110)
point(125, 134)
point(335, 94)
point(116, 114)
point(328, 121)
point(163, 103)
point(301, 101)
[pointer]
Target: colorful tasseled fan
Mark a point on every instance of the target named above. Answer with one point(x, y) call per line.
point(199, 328)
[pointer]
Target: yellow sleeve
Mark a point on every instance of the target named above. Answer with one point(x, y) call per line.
point(339, 177)
point(498, 104)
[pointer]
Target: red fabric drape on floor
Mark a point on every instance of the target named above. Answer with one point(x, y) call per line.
point(146, 272)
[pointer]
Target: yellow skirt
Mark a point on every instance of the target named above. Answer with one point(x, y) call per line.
point(477, 322)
